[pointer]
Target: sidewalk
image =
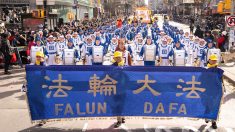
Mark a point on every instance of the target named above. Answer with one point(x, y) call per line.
point(229, 73)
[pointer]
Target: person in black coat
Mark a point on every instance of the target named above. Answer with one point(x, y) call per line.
point(5, 49)
point(198, 32)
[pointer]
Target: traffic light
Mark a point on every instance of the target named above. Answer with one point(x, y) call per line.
point(220, 7)
point(38, 13)
point(227, 4)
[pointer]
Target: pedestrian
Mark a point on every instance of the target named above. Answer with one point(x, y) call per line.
point(221, 41)
point(212, 63)
point(5, 49)
point(198, 32)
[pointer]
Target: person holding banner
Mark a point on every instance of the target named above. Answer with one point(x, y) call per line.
point(118, 61)
point(40, 59)
point(149, 51)
point(212, 63)
point(39, 62)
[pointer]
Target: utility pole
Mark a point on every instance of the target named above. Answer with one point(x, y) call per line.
point(232, 29)
point(45, 12)
point(76, 7)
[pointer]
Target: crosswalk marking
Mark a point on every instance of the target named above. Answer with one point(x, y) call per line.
point(125, 128)
point(146, 128)
point(84, 127)
point(229, 129)
point(191, 128)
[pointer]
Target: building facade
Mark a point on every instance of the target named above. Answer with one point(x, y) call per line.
point(153, 5)
point(67, 10)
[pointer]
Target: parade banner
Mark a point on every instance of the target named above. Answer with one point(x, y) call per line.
point(56, 92)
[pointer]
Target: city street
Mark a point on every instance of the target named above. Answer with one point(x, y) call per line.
point(121, 65)
point(15, 115)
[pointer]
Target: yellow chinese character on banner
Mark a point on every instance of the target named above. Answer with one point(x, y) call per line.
point(107, 86)
point(60, 88)
point(146, 82)
point(193, 89)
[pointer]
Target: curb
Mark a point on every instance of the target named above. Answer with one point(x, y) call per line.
point(229, 79)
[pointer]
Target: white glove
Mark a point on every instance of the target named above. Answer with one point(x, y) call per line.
point(46, 58)
point(28, 58)
point(77, 60)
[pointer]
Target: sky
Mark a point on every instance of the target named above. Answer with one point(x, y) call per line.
point(146, 2)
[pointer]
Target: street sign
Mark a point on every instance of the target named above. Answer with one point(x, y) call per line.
point(230, 21)
point(231, 36)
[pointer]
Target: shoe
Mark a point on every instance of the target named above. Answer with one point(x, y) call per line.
point(7, 73)
point(214, 125)
point(123, 120)
point(118, 124)
point(40, 124)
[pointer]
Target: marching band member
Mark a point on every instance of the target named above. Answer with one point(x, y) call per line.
point(186, 40)
point(126, 54)
point(212, 50)
point(88, 46)
point(149, 52)
point(68, 37)
point(34, 50)
point(165, 51)
point(70, 54)
point(178, 46)
point(138, 46)
point(162, 35)
point(179, 55)
point(103, 37)
point(201, 52)
point(97, 52)
point(51, 50)
point(113, 45)
point(81, 35)
point(190, 50)
point(61, 45)
point(76, 40)
point(170, 42)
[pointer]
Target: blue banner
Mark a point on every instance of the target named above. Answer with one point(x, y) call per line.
point(105, 91)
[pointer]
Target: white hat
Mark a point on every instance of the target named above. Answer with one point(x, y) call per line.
point(50, 36)
point(224, 33)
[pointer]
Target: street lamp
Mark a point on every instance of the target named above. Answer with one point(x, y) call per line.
point(45, 12)
point(76, 7)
